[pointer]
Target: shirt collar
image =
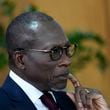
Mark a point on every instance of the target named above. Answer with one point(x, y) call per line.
point(32, 92)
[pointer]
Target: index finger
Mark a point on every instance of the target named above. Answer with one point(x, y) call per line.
point(77, 97)
point(74, 80)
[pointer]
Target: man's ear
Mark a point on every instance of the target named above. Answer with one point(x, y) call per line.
point(19, 59)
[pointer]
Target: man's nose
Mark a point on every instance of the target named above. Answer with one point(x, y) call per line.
point(64, 61)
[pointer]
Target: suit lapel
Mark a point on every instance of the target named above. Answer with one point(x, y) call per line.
point(18, 99)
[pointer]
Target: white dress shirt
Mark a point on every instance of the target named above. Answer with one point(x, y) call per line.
point(33, 93)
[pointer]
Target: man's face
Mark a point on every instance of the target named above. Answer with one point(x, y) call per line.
point(40, 69)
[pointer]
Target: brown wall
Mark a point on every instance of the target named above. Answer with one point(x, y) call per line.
point(88, 15)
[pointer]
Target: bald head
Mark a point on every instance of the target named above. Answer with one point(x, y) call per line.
point(31, 30)
point(21, 30)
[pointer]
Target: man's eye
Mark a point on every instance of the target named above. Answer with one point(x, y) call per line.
point(56, 50)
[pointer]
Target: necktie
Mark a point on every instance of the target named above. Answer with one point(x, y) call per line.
point(49, 102)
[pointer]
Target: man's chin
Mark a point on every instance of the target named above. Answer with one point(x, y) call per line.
point(59, 88)
point(54, 89)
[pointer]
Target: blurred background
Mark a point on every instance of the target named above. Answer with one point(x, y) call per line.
point(86, 23)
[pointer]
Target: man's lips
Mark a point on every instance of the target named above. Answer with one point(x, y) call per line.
point(63, 76)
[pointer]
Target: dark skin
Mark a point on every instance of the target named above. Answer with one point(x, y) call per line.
point(38, 69)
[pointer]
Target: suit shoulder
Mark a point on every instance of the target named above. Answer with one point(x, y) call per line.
point(4, 100)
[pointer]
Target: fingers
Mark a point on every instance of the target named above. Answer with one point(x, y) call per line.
point(82, 101)
point(89, 103)
point(96, 100)
point(83, 97)
point(77, 97)
point(86, 98)
point(74, 80)
point(79, 101)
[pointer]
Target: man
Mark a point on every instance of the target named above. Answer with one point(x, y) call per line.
point(39, 56)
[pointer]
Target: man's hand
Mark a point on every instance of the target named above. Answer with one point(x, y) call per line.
point(86, 98)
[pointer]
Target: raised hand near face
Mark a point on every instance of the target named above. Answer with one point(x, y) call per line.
point(86, 98)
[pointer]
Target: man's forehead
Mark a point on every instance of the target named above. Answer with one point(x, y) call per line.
point(49, 44)
point(47, 34)
point(59, 43)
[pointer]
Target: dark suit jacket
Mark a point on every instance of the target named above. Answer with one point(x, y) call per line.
point(13, 98)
